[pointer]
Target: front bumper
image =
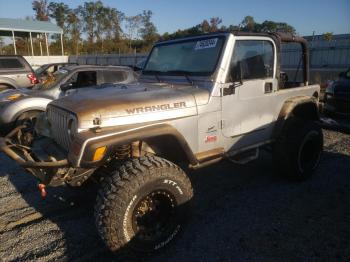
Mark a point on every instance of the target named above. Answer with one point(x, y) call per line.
point(27, 157)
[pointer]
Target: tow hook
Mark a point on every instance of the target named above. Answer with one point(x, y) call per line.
point(42, 190)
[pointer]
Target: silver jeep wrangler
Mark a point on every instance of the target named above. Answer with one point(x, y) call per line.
point(199, 100)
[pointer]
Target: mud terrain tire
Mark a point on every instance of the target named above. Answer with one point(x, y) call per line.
point(143, 204)
point(298, 149)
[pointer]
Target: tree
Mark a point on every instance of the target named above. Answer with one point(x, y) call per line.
point(87, 13)
point(205, 26)
point(149, 31)
point(59, 12)
point(74, 28)
point(2, 44)
point(112, 25)
point(273, 27)
point(214, 24)
point(248, 23)
point(41, 10)
point(328, 36)
point(133, 24)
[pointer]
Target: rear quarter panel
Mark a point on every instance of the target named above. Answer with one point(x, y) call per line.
point(284, 94)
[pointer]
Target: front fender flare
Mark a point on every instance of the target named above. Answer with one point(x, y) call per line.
point(85, 144)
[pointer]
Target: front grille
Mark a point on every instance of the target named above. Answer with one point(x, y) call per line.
point(59, 120)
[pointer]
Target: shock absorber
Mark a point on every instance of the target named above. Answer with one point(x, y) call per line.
point(123, 151)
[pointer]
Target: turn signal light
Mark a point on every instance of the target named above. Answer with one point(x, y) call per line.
point(99, 153)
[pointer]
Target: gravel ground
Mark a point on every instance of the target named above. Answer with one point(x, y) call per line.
point(240, 213)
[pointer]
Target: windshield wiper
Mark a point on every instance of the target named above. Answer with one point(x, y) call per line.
point(182, 73)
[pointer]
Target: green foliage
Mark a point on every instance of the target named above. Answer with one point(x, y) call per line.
point(95, 28)
point(41, 10)
point(328, 36)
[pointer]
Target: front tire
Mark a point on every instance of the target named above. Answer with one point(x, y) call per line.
point(298, 150)
point(143, 204)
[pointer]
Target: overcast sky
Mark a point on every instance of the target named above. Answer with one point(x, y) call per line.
point(305, 15)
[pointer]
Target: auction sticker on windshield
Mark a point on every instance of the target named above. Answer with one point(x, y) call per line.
point(208, 43)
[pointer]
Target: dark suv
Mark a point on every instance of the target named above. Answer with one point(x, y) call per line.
point(15, 72)
point(337, 95)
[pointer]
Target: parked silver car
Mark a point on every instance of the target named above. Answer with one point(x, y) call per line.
point(15, 72)
point(22, 105)
point(45, 70)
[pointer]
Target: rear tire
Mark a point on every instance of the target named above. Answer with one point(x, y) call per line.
point(142, 205)
point(298, 150)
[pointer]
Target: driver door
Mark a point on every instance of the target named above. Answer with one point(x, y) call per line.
point(81, 81)
point(249, 92)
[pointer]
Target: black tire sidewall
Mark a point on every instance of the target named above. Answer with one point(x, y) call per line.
point(287, 149)
point(310, 132)
point(168, 184)
point(121, 192)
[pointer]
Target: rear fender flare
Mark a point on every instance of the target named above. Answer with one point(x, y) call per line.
point(303, 107)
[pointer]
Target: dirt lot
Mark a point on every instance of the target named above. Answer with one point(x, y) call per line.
point(241, 213)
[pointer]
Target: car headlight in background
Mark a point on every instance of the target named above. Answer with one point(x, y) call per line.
point(329, 96)
point(13, 97)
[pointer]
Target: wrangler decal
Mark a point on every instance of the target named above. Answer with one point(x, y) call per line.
point(163, 107)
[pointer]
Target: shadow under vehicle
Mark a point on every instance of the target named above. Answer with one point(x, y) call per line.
point(198, 100)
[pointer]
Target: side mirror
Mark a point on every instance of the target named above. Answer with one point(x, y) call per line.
point(230, 90)
point(66, 86)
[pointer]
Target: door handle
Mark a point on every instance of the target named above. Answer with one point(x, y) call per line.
point(268, 88)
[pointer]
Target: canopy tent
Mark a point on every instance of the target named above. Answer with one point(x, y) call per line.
point(28, 28)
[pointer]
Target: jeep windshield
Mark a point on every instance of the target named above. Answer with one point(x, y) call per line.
point(188, 57)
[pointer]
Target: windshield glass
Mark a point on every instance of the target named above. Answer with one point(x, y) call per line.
point(192, 57)
point(51, 80)
point(40, 69)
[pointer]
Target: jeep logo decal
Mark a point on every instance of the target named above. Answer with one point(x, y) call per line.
point(162, 107)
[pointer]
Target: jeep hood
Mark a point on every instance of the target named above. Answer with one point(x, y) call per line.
point(134, 103)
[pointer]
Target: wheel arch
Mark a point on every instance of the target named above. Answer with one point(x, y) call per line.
point(302, 107)
point(163, 139)
point(26, 111)
point(8, 84)
point(23, 105)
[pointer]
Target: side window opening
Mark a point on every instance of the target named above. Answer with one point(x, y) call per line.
point(10, 63)
point(73, 80)
point(114, 76)
point(253, 58)
point(292, 65)
point(86, 78)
